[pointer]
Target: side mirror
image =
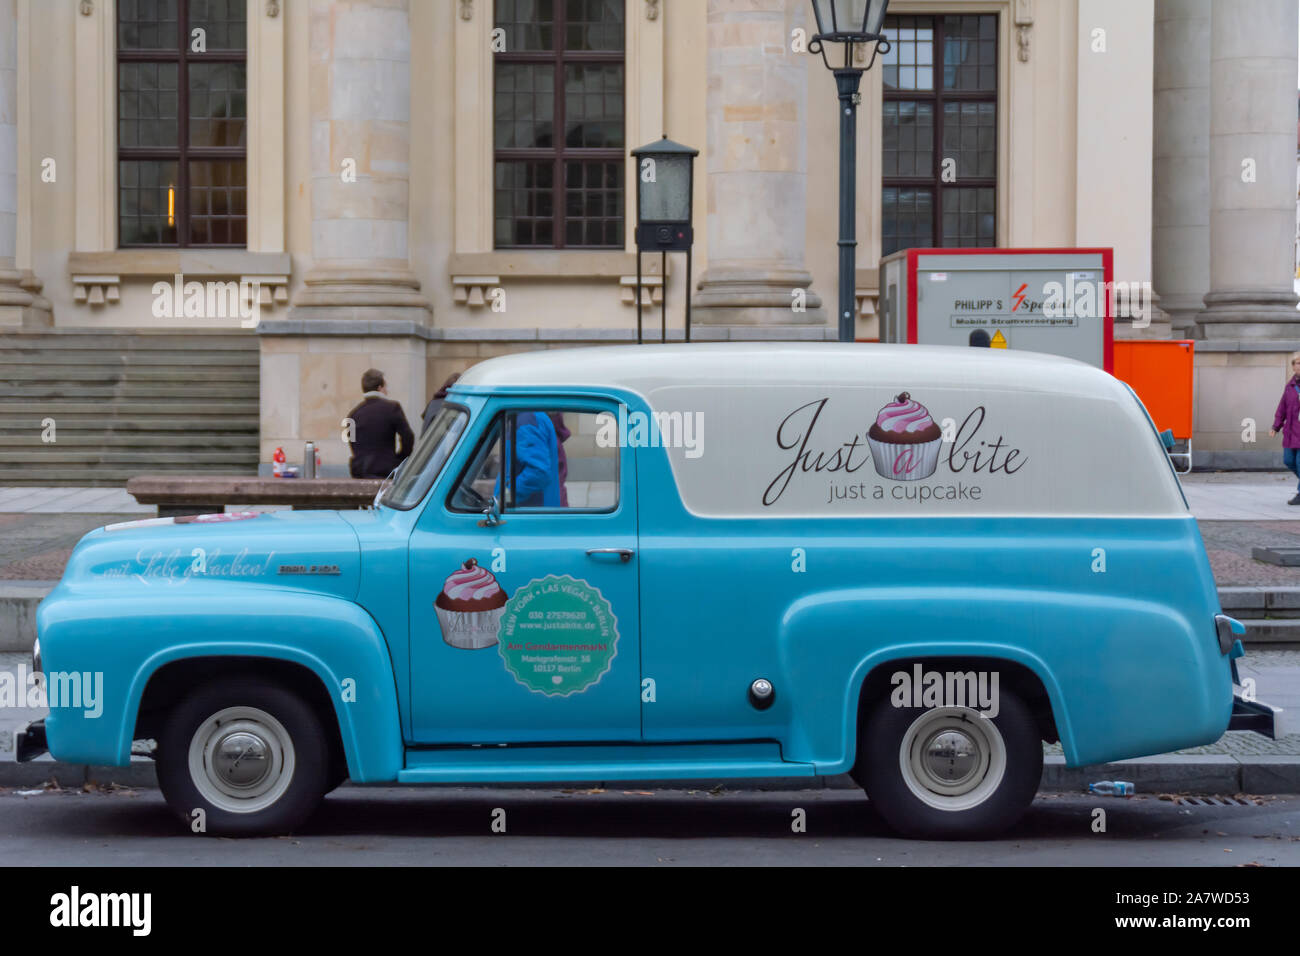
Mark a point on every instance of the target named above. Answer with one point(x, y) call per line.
point(491, 513)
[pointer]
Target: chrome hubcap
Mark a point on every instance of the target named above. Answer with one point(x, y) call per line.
point(241, 759)
point(950, 757)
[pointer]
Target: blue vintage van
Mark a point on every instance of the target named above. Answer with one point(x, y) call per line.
point(910, 564)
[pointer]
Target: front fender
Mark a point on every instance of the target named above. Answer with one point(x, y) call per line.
point(126, 638)
point(1125, 677)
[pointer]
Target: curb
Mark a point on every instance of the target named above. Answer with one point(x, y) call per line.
point(1174, 773)
point(18, 601)
point(1219, 774)
point(73, 776)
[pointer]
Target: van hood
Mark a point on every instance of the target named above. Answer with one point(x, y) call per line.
point(300, 550)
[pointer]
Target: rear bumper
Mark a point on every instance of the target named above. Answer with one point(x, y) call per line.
point(1260, 717)
point(1253, 715)
point(31, 741)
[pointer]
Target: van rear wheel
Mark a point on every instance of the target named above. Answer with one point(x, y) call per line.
point(946, 772)
point(243, 757)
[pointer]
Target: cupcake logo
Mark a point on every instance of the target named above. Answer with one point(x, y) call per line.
point(904, 441)
point(903, 444)
point(470, 607)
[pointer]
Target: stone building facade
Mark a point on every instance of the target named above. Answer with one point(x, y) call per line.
point(420, 184)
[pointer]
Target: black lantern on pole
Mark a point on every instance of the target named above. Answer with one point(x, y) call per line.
point(664, 196)
point(848, 23)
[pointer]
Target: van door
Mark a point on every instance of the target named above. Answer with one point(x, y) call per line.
point(524, 622)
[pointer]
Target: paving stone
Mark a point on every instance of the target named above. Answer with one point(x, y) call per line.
point(1242, 598)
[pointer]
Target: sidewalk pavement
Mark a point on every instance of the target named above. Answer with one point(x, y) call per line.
point(1237, 495)
point(1236, 511)
point(71, 501)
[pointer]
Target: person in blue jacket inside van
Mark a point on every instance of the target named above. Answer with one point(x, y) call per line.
point(536, 462)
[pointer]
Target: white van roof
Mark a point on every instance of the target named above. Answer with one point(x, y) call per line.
point(786, 429)
point(646, 368)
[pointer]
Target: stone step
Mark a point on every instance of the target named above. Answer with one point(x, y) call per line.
point(111, 476)
point(119, 342)
point(1271, 613)
point(146, 458)
point(67, 438)
point(1271, 631)
point(123, 390)
point(13, 376)
point(127, 402)
point(1253, 613)
point(223, 407)
point(109, 424)
point(1260, 601)
point(142, 358)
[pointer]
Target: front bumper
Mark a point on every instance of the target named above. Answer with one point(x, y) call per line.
point(31, 741)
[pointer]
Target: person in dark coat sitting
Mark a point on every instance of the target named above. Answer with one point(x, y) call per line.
point(378, 420)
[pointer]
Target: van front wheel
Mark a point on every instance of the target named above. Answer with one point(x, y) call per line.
point(243, 757)
point(946, 772)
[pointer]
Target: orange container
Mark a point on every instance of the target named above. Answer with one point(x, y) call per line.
point(1161, 373)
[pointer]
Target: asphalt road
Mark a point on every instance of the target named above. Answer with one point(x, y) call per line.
point(399, 827)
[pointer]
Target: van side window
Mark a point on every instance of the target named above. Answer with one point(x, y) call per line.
point(553, 462)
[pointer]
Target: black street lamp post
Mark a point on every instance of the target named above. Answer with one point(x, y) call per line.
point(664, 194)
point(848, 22)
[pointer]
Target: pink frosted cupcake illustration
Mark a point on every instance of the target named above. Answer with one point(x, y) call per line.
point(470, 606)
point(904, 441)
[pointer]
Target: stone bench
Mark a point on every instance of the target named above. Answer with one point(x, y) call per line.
point(209, 494)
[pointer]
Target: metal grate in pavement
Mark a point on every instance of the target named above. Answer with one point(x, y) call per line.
point(1218, 801)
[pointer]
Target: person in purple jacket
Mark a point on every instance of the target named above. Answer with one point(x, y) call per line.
point(1287, 418)
point(562, 434)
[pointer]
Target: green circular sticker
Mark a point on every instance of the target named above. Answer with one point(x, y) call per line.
point(558, 635)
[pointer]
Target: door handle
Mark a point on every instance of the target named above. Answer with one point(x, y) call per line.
point(624, 554)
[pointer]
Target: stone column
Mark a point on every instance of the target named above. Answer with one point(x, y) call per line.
point(757, 167)
point(360, 102)
point(1252, 171)
point(360, 305)
point(21, 304)
point(1180, 233)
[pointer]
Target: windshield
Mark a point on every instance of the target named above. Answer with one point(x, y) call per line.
point(417, 474)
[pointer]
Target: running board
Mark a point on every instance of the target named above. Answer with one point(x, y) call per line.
point(536, 764)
